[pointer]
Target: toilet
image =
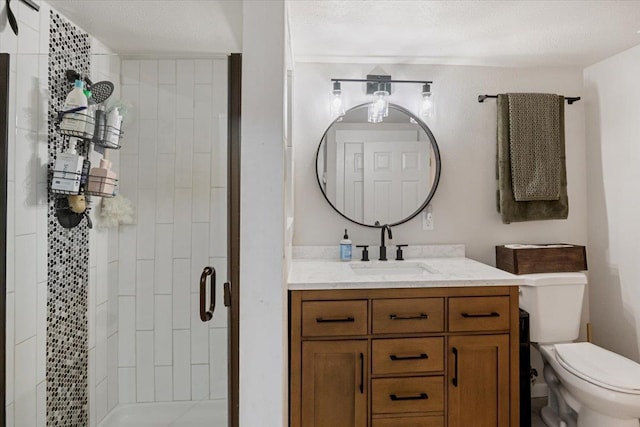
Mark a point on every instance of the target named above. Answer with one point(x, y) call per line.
point(588, 385)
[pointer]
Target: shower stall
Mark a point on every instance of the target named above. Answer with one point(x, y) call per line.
point(103, 326)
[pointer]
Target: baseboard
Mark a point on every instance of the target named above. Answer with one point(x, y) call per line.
point(539, 390)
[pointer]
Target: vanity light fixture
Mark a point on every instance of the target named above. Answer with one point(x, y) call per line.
point(337, 104)
point(379, 86)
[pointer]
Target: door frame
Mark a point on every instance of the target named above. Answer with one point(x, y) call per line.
point(4, 155)
point(233, 230)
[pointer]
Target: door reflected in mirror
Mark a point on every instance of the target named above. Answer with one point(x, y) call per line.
point(384, 173)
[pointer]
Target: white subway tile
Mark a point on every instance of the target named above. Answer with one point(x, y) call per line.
point(112, 368)
point(167, 71)
point(10, 416)
point(91, 307)
point(102, 402)
point(128, 178)
point(25, 383)
point(148, 101)
point(181, 365)
point(201, 188)
point(218, 363)
point(102, 268)
point(26, 289)
point(91, 385)
point(199, 382)
point(163, 330)
point(220, 315)
point(101, 342)
point(25, 184)
point(42, 236)
point(220, 86)
point(9, 348)
point(181, 294)
point(199, 334)
point(127, 385)
point(164, 259)
point(203, 117)
point(203, 71)
point(199, 257)
point(113, 244)
point(147, 157)
point(129, 140)
point(185, 86)
point(41, 334)
point(184, 155)
point(28, 88)
point(130, 70)
point(127, 250)
point(167, 119)
point(41, 404)
point(42, 153)
point(11, 247)
point(218, 237)
point(165, 188)
point(149, 71)
point(27, 16)
point(93, 258)
point(219, 152)
point(11, 124)
point(144, 296)
point(145, 388)
point(164, 383)
point(127, 332)
point(112, 303)
point(146, 228)
point(182, 223)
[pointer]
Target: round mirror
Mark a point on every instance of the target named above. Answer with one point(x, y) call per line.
point(378, 173)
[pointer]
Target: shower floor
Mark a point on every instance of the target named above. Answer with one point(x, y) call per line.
point(207, 413)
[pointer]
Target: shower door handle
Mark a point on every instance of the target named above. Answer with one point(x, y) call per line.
point(206, 315)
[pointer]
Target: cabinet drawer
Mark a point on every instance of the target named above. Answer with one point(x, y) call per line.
point(408, 355)
point(333, 318)
point(408, 315)
point(412, 394)
point(409, 422)
point(479, 314)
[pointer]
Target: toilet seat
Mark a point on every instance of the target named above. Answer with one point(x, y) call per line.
point(599, 366)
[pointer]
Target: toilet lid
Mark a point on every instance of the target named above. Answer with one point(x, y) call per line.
point(599, 366)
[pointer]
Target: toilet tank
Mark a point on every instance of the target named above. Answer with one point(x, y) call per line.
point(554, 303)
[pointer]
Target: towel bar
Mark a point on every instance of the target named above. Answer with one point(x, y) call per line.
point(570, 99)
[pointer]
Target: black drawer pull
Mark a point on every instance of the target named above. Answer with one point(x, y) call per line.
point(421, 396)
point(335, 319)
point(421, 316)
point(421, 356)
point(492, 314)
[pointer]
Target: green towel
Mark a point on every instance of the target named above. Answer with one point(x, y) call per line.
point(510, 209)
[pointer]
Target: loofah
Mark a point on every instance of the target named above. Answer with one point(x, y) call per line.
point(115, 211)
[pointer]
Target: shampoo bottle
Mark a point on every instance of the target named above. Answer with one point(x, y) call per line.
point(67, 170)
point(345, 247)
point(76, 101)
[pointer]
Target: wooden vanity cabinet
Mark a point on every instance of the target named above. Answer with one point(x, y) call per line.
point(411, 357)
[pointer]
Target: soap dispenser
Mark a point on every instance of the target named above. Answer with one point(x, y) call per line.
point(345, 247)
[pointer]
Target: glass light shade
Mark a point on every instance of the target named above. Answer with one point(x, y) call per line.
point(379, 107)
point(426, 104)
point(337, 106)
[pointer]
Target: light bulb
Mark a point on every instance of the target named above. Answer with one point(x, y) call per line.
point(336, 104)
point(426, 102)
point(379, 107)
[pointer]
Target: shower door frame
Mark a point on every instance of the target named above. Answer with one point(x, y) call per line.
point(4, 154)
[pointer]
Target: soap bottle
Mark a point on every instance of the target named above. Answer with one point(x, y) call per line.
point(345, 247)
point(76, 101)
point(67, 170)
point(102, 180)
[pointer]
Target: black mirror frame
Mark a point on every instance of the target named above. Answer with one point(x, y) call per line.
point(436, 152)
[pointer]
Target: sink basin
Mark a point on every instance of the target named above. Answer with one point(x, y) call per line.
point(391, 268)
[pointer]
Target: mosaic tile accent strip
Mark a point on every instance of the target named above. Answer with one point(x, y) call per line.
point(68, 252)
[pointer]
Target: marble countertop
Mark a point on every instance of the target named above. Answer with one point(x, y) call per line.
point(451, 271)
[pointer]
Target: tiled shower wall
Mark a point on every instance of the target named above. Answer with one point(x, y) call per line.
point(27, 235)
point(173, 168)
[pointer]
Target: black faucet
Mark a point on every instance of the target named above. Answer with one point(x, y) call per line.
point(383, 248)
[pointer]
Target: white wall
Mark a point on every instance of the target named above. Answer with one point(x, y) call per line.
point(263, 299)
point(613, 155)
point(464, 204)
point(173, 169)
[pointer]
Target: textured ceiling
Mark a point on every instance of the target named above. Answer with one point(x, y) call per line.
point(184, 27)
point(480, 32)
point(498, 33)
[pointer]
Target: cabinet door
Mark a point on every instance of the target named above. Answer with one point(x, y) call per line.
point(478, 388)
point(334, 383)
